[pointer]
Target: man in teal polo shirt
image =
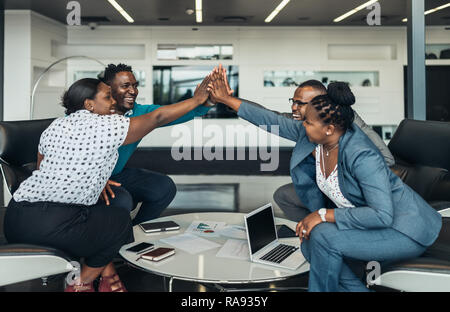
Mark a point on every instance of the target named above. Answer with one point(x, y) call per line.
point(153, 189)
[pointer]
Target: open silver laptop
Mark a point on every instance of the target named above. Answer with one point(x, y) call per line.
point(263, 241)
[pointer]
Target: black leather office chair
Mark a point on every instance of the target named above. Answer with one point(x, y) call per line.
point(422, 153)
point(445, 54)
point(18, 154)
point(428, 273)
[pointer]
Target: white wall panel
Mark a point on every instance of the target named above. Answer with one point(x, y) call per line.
point(17, 65)
point(29, 36)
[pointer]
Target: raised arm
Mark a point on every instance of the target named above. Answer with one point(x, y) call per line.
point(142, 125)
point(197, 112)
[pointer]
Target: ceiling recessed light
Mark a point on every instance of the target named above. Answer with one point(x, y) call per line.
point(432, 10)
point(351, 12)
point(121, 11)
point(198, 11)
point(189, 11)
point(438, 8)
point(276, 11)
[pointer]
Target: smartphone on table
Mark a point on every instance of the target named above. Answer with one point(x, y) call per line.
point(141, 248)
point(284, 231)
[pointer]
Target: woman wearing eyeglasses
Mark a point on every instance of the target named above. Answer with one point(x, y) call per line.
point(359, 208)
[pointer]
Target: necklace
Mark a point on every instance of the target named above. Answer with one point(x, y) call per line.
point(329, 150)
point(323, 162)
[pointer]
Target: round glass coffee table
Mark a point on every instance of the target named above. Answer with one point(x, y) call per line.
point(205, 267)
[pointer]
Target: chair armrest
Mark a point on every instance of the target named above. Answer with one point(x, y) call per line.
point(31, 250)
point(420, 274)
point(21, 262)
point(421, 264)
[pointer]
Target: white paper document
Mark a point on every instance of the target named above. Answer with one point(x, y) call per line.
point(234, 249)
point(190, 243)
point(205, 228)
point(234, 231)
point(445, 212)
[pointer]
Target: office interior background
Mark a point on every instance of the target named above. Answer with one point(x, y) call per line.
point(268, 60)
point(170, 52)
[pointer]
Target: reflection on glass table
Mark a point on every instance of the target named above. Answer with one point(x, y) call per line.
point(208, 267)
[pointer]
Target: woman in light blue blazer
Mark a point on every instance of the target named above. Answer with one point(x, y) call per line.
point(359, 208)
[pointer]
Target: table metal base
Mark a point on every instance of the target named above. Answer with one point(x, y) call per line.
point(168, 286)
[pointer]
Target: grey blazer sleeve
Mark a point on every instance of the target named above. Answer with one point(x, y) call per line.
point(375, 138)
point(271, 121)
point(287, 115)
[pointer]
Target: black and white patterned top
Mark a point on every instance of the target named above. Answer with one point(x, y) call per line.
point(330, 185)
point(80, 152)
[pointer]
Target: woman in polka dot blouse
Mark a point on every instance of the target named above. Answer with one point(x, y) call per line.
point(59, 206)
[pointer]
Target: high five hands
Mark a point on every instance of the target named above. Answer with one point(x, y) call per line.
point(201, 93)
point(218, 87)
point(216, 80)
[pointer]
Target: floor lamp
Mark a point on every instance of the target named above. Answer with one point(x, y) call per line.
point(36, 84)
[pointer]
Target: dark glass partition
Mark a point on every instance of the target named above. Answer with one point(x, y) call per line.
point(172, 84)
point(437, 92)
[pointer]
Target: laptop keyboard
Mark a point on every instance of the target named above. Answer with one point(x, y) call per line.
point(279, 253)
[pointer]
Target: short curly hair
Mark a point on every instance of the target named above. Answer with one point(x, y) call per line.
point(108, 75)
point(315, 84)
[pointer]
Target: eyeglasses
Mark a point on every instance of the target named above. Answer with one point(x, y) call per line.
point(296, 102)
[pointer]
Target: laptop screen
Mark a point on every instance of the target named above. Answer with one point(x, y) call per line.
point(261, 229)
